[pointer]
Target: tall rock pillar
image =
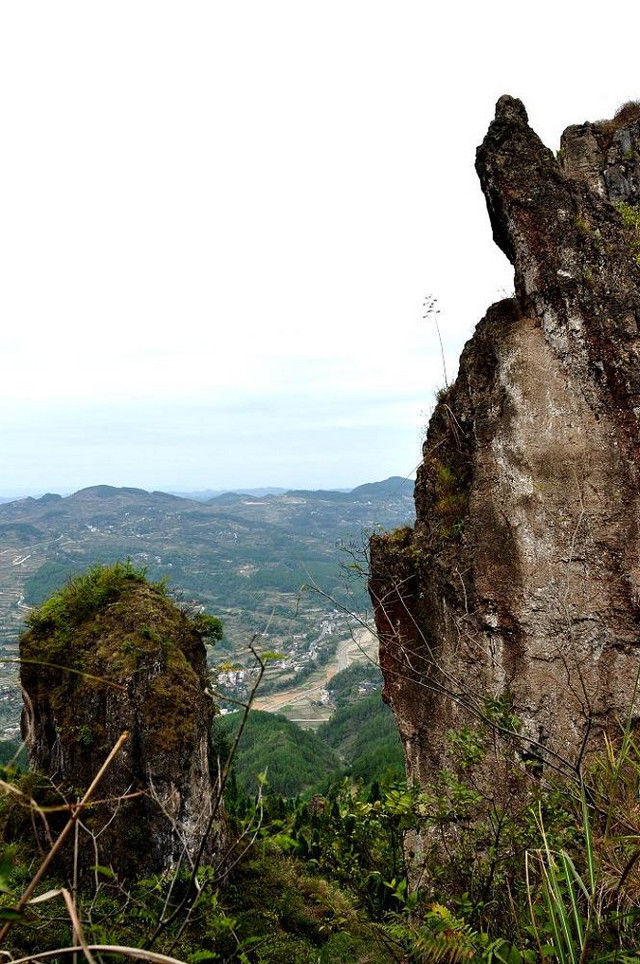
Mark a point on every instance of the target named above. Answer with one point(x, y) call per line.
point(520, 582)
point(112, 653)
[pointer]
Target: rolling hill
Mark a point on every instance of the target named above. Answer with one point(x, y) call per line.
point(243, 557)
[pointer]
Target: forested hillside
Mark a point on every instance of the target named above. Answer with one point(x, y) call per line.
point(276, 754)
point(360, 742)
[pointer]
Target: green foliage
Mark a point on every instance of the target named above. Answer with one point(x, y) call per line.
point(47, 579)
point(297, 915)
point(365, 736)
point(498, 711)
point(328, 879)
point(85, 735)
point(441, 935)
point(209, 627)
point(468, 746)
point(357, 840)
point(568, 901)
point(344, 686)
point(360, 740)
point(583, 227)
point(83, 596)
point(450, 499)
point(12, 750)
point(519, 872)
point(630, 215)
point(102, 629)
point(272, 909)
point(295, 759)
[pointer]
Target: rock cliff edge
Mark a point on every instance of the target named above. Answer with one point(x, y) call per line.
point(520, 582)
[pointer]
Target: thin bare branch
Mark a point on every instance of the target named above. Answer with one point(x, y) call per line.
point(24, 900)
point(133, 952)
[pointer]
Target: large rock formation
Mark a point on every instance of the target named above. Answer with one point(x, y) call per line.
point(521, 578)
point(137, 664)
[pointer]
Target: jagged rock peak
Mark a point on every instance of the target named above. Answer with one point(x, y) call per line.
point(521, 578)
point(511, 110)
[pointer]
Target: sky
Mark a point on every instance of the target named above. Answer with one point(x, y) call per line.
point(218, 223)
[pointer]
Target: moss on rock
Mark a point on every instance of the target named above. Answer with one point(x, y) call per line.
point(112, 652)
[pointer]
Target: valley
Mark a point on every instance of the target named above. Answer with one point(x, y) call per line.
point(308, 703)
point(282, 569)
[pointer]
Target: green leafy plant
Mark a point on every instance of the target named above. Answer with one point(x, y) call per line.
point(569, 897)
point(82, 596)
point(450, 500)
point(209, 627)
point(631, 219)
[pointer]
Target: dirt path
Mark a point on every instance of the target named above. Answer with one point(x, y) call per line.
point(298, 699)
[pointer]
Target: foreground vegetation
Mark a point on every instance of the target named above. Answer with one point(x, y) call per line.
point(331, 877)
point(329, 855)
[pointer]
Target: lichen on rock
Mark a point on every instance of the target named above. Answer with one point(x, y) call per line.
point(521, 578)
point(109, 653)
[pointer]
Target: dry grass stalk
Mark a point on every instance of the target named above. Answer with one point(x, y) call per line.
point(26, 896)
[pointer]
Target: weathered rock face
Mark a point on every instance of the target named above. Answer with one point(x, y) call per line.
point(521, 578)
point(140, 667)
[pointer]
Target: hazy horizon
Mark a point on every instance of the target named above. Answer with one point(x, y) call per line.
point(193, 490)
point(220, 223)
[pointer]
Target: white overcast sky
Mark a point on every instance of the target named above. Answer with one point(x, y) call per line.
point(218, 222)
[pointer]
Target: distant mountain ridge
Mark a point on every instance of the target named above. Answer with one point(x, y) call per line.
point(205, 495)
point(388, 487)
point(367, 490)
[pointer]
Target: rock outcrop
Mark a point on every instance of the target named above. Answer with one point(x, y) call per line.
point(520, 583)
point(112, 653)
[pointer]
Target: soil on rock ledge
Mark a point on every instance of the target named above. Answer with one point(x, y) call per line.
point(139, 665)
point(521, 578)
